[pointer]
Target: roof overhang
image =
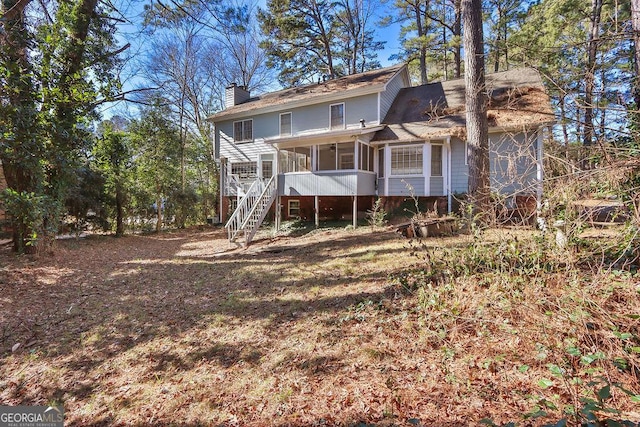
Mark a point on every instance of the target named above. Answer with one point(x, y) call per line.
point(443, 134)
point(247, 110)
point(344, 135)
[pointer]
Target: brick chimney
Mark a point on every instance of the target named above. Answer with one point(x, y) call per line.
point(235, 95)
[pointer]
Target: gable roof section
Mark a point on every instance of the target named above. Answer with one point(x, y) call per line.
point(517, 100)
point(336, 89)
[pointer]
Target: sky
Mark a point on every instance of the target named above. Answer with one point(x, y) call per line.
point(141, 45)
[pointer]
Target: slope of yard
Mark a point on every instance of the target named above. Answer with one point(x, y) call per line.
point(331, 328)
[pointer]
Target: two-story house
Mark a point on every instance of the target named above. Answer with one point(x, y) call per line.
point(328, 149)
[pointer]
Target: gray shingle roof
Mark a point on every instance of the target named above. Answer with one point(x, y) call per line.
point(370, 79)
point(517, 99)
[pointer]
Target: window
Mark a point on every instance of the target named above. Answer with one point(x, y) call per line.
point(346, 155)
point(267, 169)
point(336, 156)
point(337, 116)
point(294, 208)
point(406, 160)
point(381, 163)
point(436, 160)
point(366, 157)
point(245, 170)
point(285, 124)
point(296, 159)
point(243, 131)
point(346, 161)
point(326, 157)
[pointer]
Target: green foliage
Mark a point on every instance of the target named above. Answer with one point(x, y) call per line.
point(86, 199)
point(156, 141)
point(180, 205)
point(113, 158)
point(308, 40)
point(54, 72)
point(28, 211)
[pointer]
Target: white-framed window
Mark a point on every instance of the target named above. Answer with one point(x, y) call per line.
point(381, 165)
point(243, 131)
point(267, 169)
point(406, 160)
point(346, 161)
point(285, 124)
point(436, 160)
point(336, 156)
point(296, 159)
point(337, 116)
point(245, 170)
point(293, 208)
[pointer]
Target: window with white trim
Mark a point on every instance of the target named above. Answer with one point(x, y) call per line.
point(406, 160)
point(285, 124)
point(243, 131)
point(366, 157)
point(436, 160)
point(337, 116)
point(245, 170)
point(296, 159)
point(346, 161)
point(267, 169)
point(294, 208)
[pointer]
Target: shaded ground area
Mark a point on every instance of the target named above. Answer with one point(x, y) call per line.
point(181, 328)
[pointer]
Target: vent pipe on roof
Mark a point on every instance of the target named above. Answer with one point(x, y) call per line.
point(235, 95)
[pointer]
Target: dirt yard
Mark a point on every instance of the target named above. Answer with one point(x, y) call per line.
point(182, 329)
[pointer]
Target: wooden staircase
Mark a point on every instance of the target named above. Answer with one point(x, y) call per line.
point(251, 211)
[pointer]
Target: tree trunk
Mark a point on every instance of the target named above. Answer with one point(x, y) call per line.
point(635, 23)
point(119, 211)
point(457, 30)
point(20, 155)
point(589, 85)
point(423, 49)
point(476, 111)
point(159, 214)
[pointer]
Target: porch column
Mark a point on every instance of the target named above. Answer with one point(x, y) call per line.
point(317, 210)
point(222, 189)
point(278, 212)
point(355, 211)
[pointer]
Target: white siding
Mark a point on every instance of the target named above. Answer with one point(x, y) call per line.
point(459, 170)
point(512, 161)
point(388, 96)
point(337, 183)
point(241, 152)
point(436, 186)
point(304, 120)
point(399, 187)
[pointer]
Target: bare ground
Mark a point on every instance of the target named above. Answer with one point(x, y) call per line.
point(182, 329)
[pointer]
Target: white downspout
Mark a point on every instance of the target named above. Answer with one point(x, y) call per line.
point(539, 178)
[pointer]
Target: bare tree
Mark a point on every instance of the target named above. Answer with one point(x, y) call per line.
point(357, 35)
point(635, 24)
point(476, 108)
point(592, 52)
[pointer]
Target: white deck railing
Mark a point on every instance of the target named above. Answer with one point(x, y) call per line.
point(251, 210)
point(245, 205)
